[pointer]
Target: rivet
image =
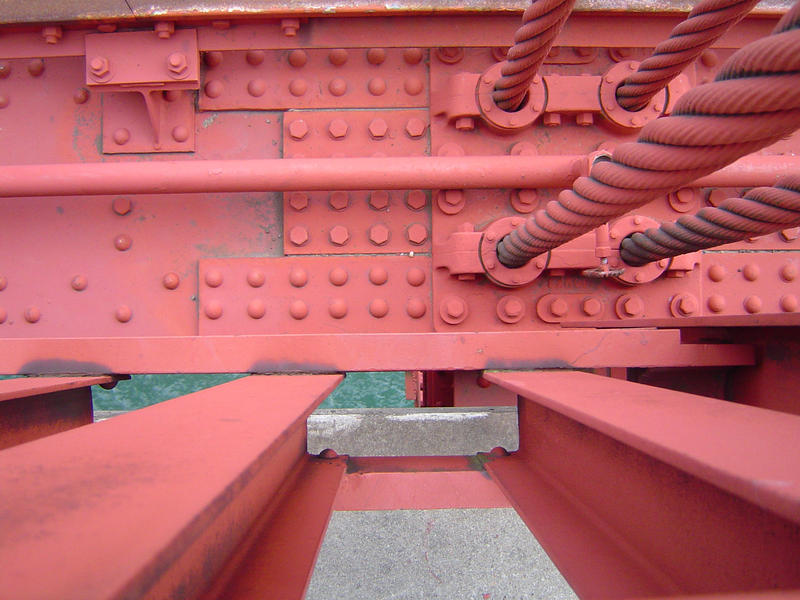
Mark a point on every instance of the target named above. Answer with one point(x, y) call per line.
point(79, 283)
point(298, 58)
point(716, 303)
point(637, 121)
point(413, 86)
point(338, 129)
point(298, 129)
point(213, 59)
point(3, 282)
point(123, 313)
point(123, 242)
point(378, 308)
point(337, 57)
point(121, 205)
point(662, 263)
point(416, 308)
point(180, 133)
point(378, 275)
point(298, 310)
point(339, 200)
point(298, 200)
point(213, 278)
point(539, 263)
point(298, 277)
point(376, 56)
point(637, 220)
point(5, 69)
point(337, 86)
point(172, 95)
point(379, 200)
point(298, 235)
point(256, 309)
point(376, 86)
point(789, 303)
point(337, 308)
point(379, 234)
point(32, 314)
point(257, 87)
point(214, 88)
point(81, 96)
point(415, 276)
point(213, 309)
point(750, 272)
point(256, 278)
point(416, 200)
point(559, 307)
point(121, 136)
point(753, 304)
point(716, 273)
point(415, 127)
point(36, 67)
point(709, 58)
point(416, 234)
point(591, 307)
point(171, 281)
point(412, 56)
point(338, 276)
point(639, 277)
point(789, 272)
point(3, 100)
point(3, 315)
point(255, 57)
point(298, 87)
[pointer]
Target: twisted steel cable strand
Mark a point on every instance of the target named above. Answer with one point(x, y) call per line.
point(753, 102)
point(541, 23)
point(760, 211)
point(707, 22)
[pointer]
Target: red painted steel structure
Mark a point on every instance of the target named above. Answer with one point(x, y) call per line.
point(272, 190)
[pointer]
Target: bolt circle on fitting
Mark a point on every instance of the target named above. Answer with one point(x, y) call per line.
point(502, 121)
point(453, 310)
point(510, 309)
point(494, 270)
point(629, 119)
point(619, 230)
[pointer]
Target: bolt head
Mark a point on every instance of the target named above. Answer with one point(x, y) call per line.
point(454, 308)
point(584, 119)
point(99, 66)
point(339, 200)
point(790, 234)
point(551, 120)
point(514, 307)
point(687, 305)
point(177, 64)
point(559, 307)
point(339, 235)
point(378, 128)
point(417, 234)
point(338, 129)
point(379, 200)
point(633, 306)
point(415, 127)
point(465, 124)
point(298, 129)
point(379, 234)
point(298, 200)
point(298, 235)
point(416, 200)
point(592, 307)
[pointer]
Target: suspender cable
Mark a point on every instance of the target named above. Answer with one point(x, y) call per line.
point(753, 102)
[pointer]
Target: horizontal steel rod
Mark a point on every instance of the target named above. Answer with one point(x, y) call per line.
point(414, 172)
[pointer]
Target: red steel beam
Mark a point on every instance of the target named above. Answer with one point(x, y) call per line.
point(153, 503)
point(31, 408)
point(417, 483)
point(314, 174)
point(641, 491)
point(318, 353)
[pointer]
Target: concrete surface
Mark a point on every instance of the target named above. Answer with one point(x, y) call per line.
point(433, 554)
point(413, 431)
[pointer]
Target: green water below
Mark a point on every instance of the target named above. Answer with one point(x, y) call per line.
point(358, 390)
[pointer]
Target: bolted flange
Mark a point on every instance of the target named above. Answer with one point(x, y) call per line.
point(494, 270)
